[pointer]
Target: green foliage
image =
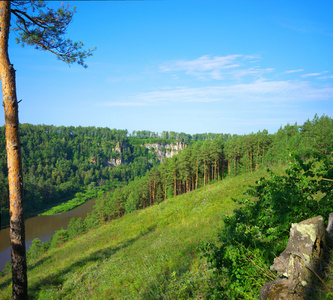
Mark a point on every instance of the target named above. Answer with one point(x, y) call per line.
point(59, 162)
point(63, 162)
point(209, 161)
point(147, 254)
point(60, 237)
point(81, 198)
point(259, 230)
point(36, 249)
point(75, 227)
point(131, 202)
point(6, 270)
point(45, 29)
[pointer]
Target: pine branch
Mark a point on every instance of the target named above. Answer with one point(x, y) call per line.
point(36, 21)
point(46, 31)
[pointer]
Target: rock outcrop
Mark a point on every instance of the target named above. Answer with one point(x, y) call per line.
point(166, 151)
point(113, 162)
point(300, 265)
point(161, 151)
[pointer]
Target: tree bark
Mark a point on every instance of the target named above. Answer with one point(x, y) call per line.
point(204, 173)
point(196, 178)
point(14, 164)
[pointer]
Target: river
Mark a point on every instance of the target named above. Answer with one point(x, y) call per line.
point(42, 227)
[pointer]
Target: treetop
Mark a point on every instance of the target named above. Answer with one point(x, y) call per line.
point(45, 28)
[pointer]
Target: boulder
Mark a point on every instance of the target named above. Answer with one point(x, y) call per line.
point(300, 265)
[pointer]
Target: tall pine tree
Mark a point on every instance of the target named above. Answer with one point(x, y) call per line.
point(44, 29)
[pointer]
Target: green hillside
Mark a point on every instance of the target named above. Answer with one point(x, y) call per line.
point(148, 254)
point(146, 239)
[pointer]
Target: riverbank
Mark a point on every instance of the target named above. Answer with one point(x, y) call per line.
point(43, 227)
point(67, 205)
point(79, 199)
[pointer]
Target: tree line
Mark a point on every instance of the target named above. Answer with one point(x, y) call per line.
point(212, 160)
point(179, 136)
point(60, 161)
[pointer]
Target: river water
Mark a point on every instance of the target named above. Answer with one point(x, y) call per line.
point(42, 227)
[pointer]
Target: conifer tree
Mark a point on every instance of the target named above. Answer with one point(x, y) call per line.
point(44, 28)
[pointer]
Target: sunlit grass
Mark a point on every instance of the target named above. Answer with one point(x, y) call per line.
point(149, 254)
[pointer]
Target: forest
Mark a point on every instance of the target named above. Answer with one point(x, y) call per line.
point(250, 236)
point(59, 162)
point(212, 160)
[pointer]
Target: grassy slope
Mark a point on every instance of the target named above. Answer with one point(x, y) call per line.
point(150, 254)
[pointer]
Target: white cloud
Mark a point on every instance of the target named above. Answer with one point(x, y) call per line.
point(255, 72)
point(119, 103)
point(294, 71)
point(327, 77)
point(258, 91)
point(240, 84)
point(203, 63)
point(216, 67)
point(313, 74)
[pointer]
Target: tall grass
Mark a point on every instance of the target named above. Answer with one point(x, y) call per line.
point(149, 254)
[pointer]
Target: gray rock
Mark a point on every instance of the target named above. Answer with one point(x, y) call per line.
point(300, 264)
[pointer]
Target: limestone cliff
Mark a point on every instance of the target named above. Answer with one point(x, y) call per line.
point(163, 151)
point(113, 162)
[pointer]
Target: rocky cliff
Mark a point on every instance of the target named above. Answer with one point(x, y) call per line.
point(163, 151)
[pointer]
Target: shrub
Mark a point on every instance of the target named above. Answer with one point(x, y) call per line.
point(60, 237)
point(75, 227)
point(7, 269)
point(36, 249)
point(259, 230)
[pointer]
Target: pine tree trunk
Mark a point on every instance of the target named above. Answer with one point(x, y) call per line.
point(149, 190)
point(216, 176)
point(222, 167)
point(204, 173)
point(251, 160)
point(13, 147)
point(257, 164)
point(154, 192)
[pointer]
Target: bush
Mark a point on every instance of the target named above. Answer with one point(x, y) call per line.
point(259, 230)
point(36, 249)
point(60, 237)
point(75, 227)
point(7, 269)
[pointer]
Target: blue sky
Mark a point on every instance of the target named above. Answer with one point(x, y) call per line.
point(189, 66)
